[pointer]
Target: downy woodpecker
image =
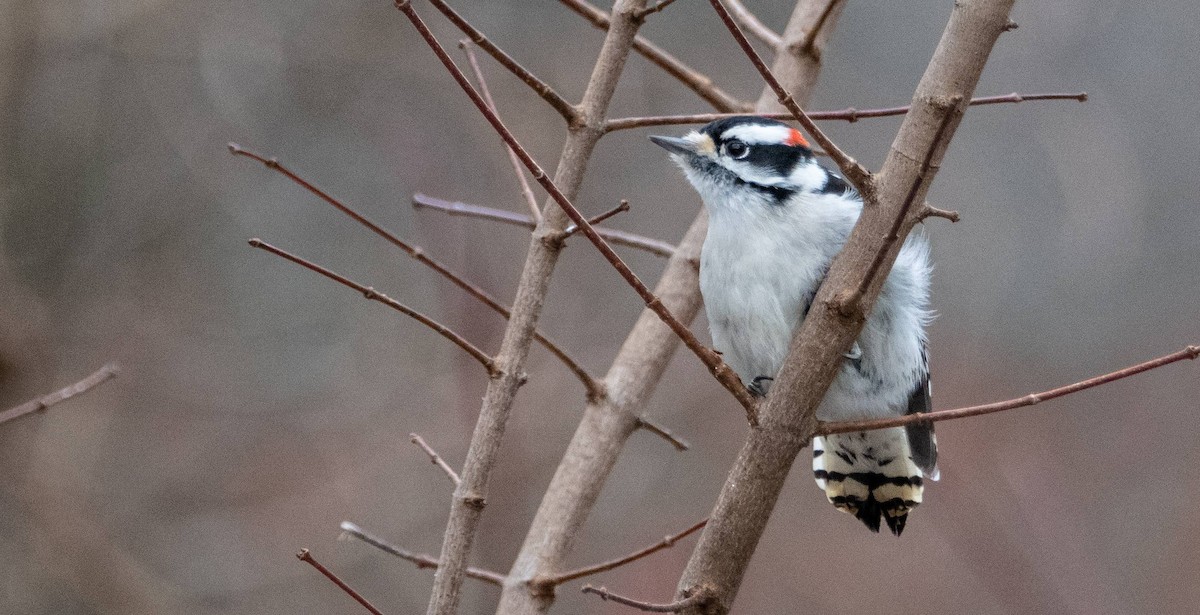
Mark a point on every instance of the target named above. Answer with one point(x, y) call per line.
point(777, 219)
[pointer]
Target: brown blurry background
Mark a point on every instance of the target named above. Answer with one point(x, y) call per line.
point(260, 405)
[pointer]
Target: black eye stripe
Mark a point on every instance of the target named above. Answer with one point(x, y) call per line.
point(778, 158)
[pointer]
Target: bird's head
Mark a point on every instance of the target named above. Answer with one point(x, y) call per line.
point(749, 158)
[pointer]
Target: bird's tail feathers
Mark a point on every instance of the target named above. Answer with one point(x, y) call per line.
point(870, 475)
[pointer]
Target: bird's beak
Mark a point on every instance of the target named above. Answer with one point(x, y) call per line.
point(675, 145)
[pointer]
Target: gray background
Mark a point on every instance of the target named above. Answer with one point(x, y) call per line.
point(260, 405)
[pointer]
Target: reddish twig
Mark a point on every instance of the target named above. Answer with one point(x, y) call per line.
point(695, 599)
point(593, 386)
point(568, 111)
point(665, 543)
point(374, 295)
point(526, 189)
point(849, 114)
point(851, 169)
point(307, 557)
point(100, 376)
point(623, 207)
point(664, 433)
point(696, 81)
point(422, 561)
point(435, 458)
point(1191, 352)
point(751, 22)
point(458, 208)
point(716, 366)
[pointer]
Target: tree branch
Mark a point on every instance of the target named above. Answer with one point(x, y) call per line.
point(370, 293)
point(458, 208)
point(695, 600)
point(307, 558)
point(568, 111)
point(662, 432)
point(623, 207)
point(518, 170)
point(849, 114)
point(1191, 352)
point(100, 376)
point(421, 560)
point(657, 7)
point(694, 80)
point(435, 458)
point(666, 543)
point(750, 22)
point(592, 386)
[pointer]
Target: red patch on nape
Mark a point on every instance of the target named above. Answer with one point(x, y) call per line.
point(795, 138)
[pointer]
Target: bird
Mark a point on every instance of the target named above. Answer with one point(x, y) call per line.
point(777, 218)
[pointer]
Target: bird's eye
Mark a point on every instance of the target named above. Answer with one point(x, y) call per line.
point(737, 150)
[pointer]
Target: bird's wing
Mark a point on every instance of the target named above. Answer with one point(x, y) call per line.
point(921, 438)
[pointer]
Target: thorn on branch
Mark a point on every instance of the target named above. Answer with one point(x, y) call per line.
point(696, 599)
point(374, 295)
point(307, 558)
point(41, 404)
point(351, 530)
point(662, 432)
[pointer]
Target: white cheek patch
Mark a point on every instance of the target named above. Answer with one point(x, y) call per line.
point(809, 176)
point(758, 133)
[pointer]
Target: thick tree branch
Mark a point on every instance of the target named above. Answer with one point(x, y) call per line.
point(307, 558)
point(458, 208)
point(569, 112)
point(631, 381)
point(787, 419)
point(849, 114)
point(698, 599)
point(541, 258)
point(694, 80)
point(370, 293)
point(100, 376)
point(667, 542)
point(518, 170)
point(592, 386)
point(419, 559)
point(1191, 352)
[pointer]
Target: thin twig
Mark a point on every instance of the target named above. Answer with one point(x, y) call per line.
point(569, 112)
point(623, 207)
point(666, 543)
point(716, 366)
point(518, 170)
point(656, 247)
point(374, 295)
point(1191, 352)
point(100, 376)
point(751, 22)
point(419, 559)
point(590, 384)
point(696, 81)
point(849, 114)
point(307, 557)
point(662, 432)
point(851, 169)
point(656, 7)
point(695, 599)
point(848, 303)
point(929, 211)
point(435, 458)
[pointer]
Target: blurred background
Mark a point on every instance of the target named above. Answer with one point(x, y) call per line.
point(260, 405)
